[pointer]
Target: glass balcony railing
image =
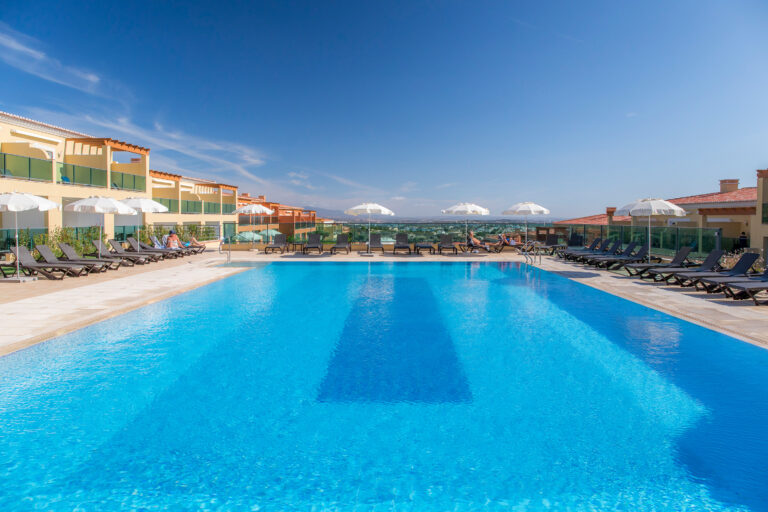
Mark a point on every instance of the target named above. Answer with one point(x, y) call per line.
point(22, 167)
point(211, 208)
point(125, 181)
point(171, 204)
point(70, 174)
point(191, 206)
point(228, 208)
point(27, 237)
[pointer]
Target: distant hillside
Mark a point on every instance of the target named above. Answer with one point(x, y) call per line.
point(339, 215)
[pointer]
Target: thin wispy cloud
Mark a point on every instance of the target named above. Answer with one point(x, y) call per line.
point(445, 185)
point(27, 54)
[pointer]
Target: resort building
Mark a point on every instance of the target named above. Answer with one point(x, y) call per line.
point(731, 210)
point(293, 221)
point(65, 166)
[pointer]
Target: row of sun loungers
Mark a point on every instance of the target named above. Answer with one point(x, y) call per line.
point(101, 259)
point(738, 282)
point(401, 246)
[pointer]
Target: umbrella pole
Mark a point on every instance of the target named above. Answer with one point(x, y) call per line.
point(103, 219)
point(369, 233)
point(253, 240)
point(138, 233)
point(649, 238)
point(16, 225)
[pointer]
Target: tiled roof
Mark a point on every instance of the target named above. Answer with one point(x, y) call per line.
point(742, 195)
point(736, 196)
point(600, 219)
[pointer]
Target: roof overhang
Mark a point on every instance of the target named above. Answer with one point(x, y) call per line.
point(117, 145)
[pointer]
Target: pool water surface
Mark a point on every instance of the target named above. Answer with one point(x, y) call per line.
point(387, 386)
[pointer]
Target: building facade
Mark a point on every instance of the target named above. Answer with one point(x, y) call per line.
point(293, 221)
point(65, 166)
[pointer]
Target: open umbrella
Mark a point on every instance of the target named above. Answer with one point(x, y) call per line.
point(466, 209)
point(144, 205)
point(102, 205)
point(254, 209)
point(248, 236)
point(18, 202)
point(369, 209)
point(651, 207)
point(525, 209)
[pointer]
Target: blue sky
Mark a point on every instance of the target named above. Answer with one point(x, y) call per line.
point(417, 105)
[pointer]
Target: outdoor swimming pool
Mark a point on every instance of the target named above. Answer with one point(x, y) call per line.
point(378, 386)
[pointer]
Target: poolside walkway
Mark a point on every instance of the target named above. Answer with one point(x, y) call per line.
point(33, 312)
point(36, 311)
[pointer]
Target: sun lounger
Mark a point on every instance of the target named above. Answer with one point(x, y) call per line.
point(314, 242)
point(446, 244)
point(342, 243)
point(279, 243)
point(78, 269)
point(69, 254)
point(153, 254)
point(596, 246)
point(119, 251)
point(739, 269)
point(611, 250)
point(710, 263)
point(720, 283)
point(184, 251)
point(170, 253)
point(598, 259)
point(617, 262)
point(424, 246)
point(640, 269)
point(401, 243)
point(575, 241)
point(747, 290)
point(375, 243)
point(29, 266)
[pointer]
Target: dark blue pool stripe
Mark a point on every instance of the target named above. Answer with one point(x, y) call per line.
point(395, 348)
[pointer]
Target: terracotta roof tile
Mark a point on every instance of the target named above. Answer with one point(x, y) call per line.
point(739, 195)
point(600, 219)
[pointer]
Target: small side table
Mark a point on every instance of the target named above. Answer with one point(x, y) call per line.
point(298, 246)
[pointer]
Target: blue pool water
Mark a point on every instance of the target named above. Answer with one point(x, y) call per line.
point(407, 386)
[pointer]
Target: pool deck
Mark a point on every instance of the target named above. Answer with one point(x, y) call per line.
point(39, 310)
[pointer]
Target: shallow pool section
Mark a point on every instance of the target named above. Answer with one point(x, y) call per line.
point(387, 386)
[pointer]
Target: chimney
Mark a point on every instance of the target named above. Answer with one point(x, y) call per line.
point(262, 197)
point(609, 211)
point(762, 173)
point(728, 185)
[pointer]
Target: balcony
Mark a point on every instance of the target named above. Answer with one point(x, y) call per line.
point(70, 174)
point(25, 168)
point(171, 204)
point(191, 206)
point(211, 208)
point(125, 181)
point(228, 208)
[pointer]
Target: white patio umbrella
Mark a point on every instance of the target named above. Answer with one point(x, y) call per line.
point(650, 207)
point(525, 209)
point(369, 209)
point(102, 205)
point(144, 205)
point(19, 202)
point(254, 209)
point(466, 209)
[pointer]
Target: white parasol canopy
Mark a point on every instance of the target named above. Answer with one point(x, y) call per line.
point(19, 202)
point(103, 205)
point(144, 205)
point(369, 209)
point(651, 207)
point(525, 209)
point(254, 209)
point(466, 209)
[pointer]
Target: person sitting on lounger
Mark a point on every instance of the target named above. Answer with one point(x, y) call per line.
point(474, 243)
point(173, 241)
point(505, 239)
point(193, 242)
